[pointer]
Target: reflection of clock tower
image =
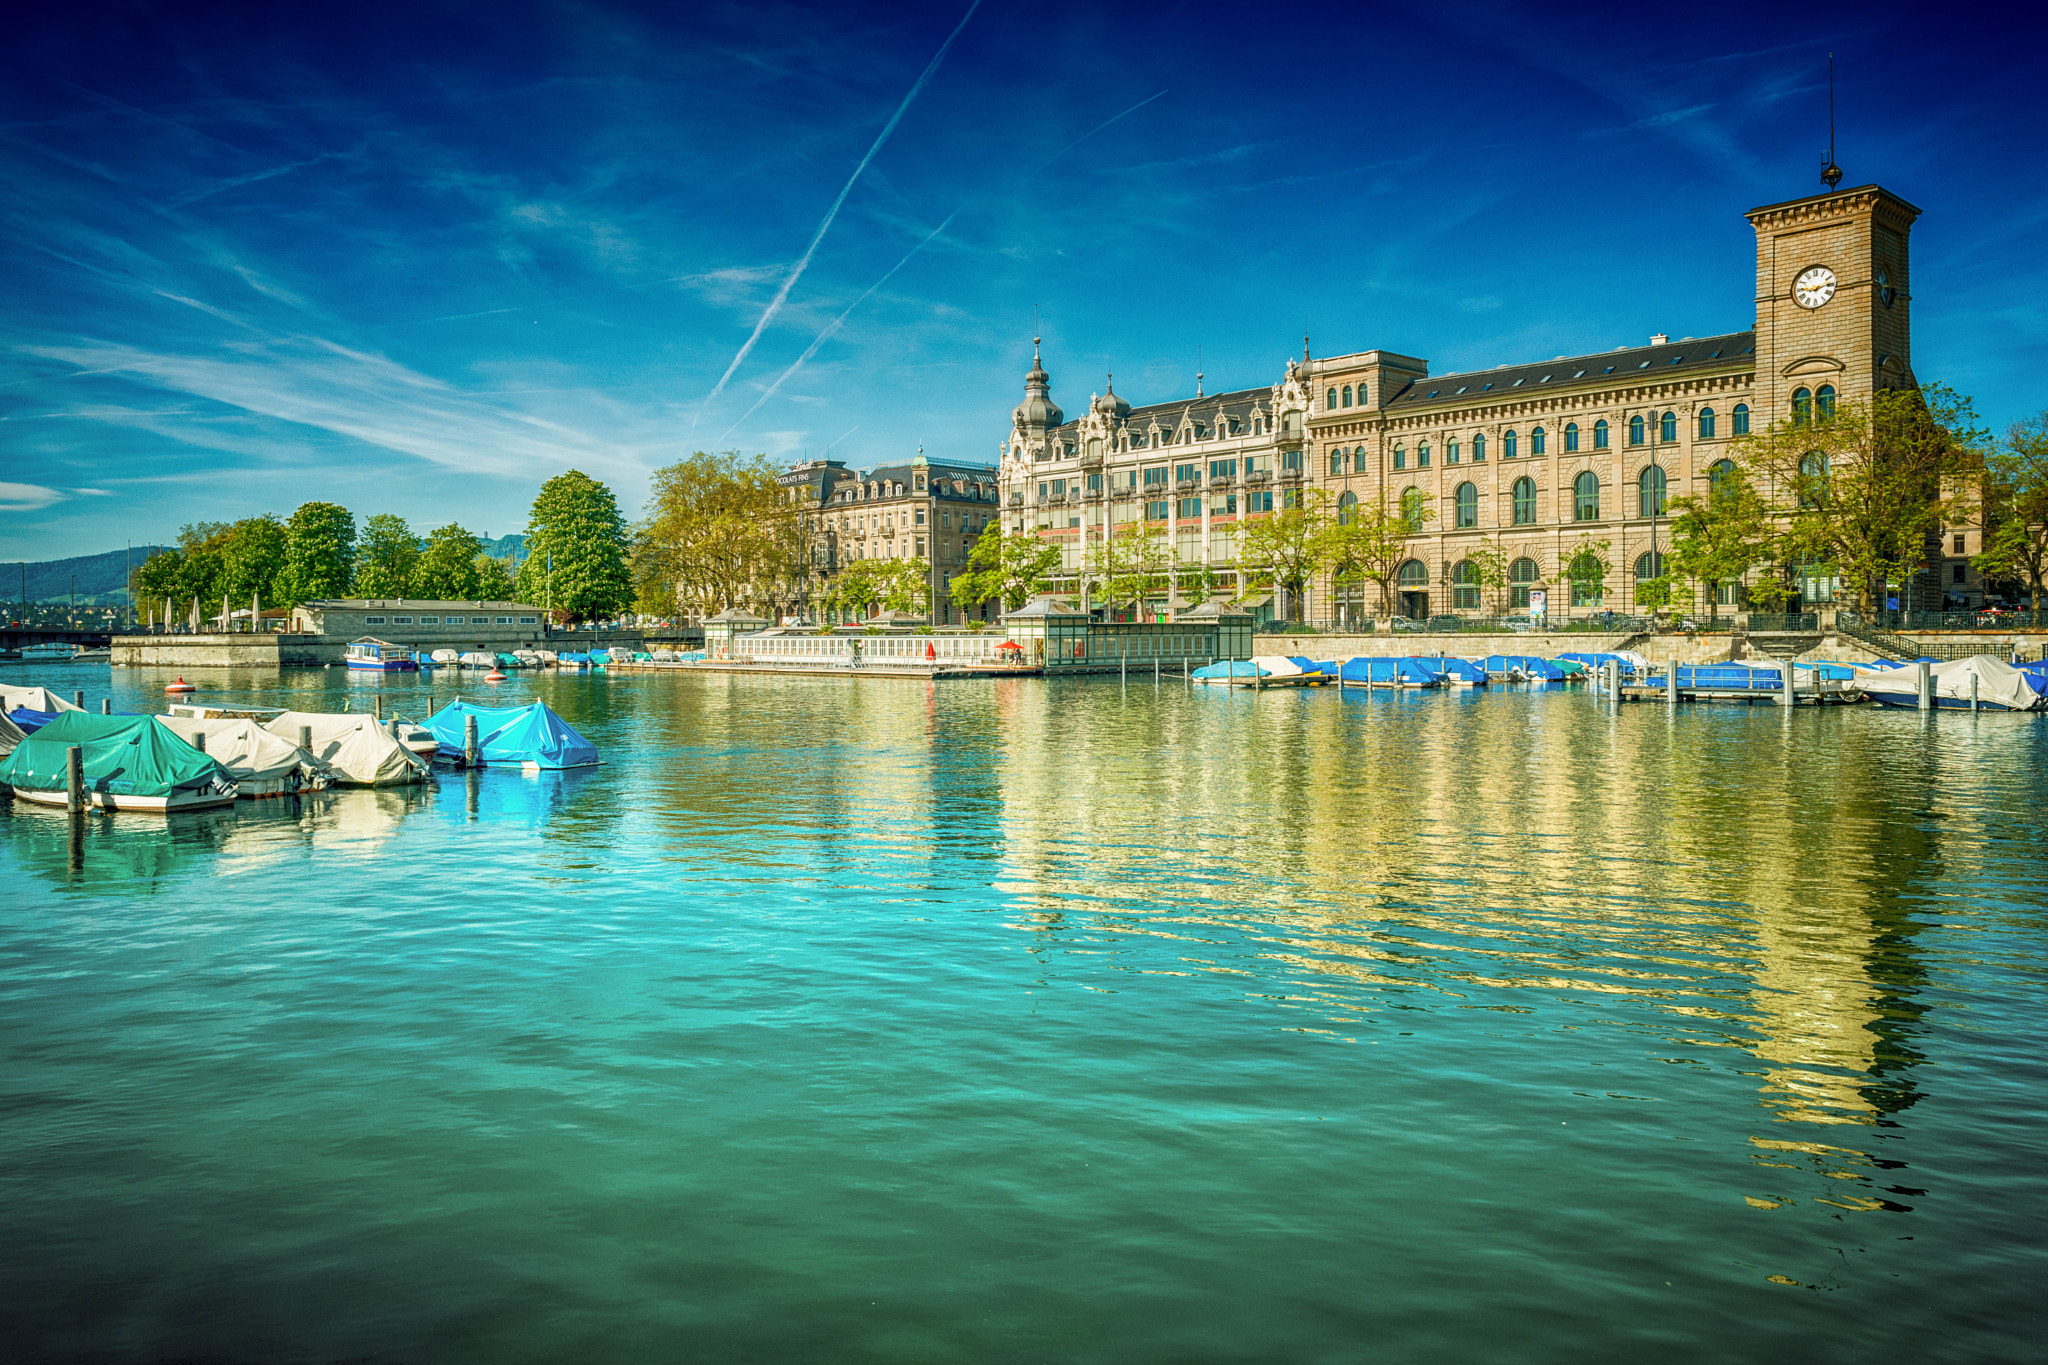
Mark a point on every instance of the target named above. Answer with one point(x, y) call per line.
point(1832, 297)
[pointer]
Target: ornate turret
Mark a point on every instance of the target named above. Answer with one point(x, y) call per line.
point(1109, 404)
point(1037, 412)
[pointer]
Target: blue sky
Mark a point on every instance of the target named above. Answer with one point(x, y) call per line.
point(419, 258)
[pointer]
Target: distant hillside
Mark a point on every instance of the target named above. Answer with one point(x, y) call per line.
point(512, 547)
point(96, 577)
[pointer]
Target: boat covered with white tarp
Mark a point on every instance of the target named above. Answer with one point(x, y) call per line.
point(359, 748)
point(1999, 686)
point(262, 764)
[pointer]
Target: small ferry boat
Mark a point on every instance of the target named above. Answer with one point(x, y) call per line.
point(381, 656)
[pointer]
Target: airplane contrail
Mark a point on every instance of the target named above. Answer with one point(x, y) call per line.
point(834, 325)
point(775, 304)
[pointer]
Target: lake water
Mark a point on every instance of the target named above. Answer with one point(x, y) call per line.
point(1044, 1021)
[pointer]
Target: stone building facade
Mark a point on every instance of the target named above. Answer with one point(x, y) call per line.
point(926, 510)
point(1537, 459)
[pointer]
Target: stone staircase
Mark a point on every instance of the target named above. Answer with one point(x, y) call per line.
point(1882, 643)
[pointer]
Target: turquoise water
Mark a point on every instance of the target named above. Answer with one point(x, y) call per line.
point(1045, 1021)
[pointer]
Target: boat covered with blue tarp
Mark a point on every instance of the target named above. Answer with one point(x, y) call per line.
point(1455, 672)
point(1526, 667)
point(1399, 671)
point(1725, 678)
point(531, 736)
point(1326, 668)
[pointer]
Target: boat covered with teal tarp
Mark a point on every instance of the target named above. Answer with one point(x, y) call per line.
point(130, 762)
point(530, 736)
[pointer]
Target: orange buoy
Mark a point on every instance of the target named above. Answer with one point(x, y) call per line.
point(494, 676)
point(180, 685)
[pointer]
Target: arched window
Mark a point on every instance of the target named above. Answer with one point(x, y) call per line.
point(1667, 428)
point(1525, 502)
point(1650, 565)
point(1802, 406)
point(1479, 447)
point(1537, 441)
point(1411, 505)
point(1586, 573)
point(1650, 492)
point(1741, 424)
point(1361, 395)
point(1635, 430)
point(1413, 574)
point(1600, 434)
point(1718, 474)
point(1451, 451)
point(1813, 479)
point(1347, 508)
point(1337, 461)
point(1465, 586)
point(1468, 506)
point(1422, 455)
point(1331, 402)
point(1824, 402)
point(1522, 575)
point(1586, 497)
point(1400, 456)
point(1706, 424)
point(1347, 395)
point(1508, 445)
point(1571, 437)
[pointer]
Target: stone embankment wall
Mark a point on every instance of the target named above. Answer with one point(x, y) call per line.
point(226, 651)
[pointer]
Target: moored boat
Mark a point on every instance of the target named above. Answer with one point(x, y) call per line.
point(381, 656)
point(129, 763)
point(478, 660)
point(1388, 671)
point(262, 764)
point(530, 736)
point(359, 748)
point(1996, 684)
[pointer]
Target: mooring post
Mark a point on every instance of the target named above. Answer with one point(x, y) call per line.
point(1671, 683)
point(78, 699)
point(106, 706)
point(1925, 671)
point(377, 705)
point(1973, 689)
point(469, 741)
point(199, 740)
point(306, 738)
point(74, 780)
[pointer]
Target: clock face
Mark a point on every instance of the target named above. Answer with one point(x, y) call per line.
point(1814, 287)
point(1885, 292)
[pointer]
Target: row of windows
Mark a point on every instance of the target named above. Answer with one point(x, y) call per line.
point(1652, 487)
point(1524, 574)
point(1332, 404)
point(1510, 441)
point(1810, 404)
point(450, 620)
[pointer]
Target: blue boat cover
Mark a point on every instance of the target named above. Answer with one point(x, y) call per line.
point(28, 721)
point(1326, 667)
point(1242, 668)
point(574, 658)
point(513, 734)
point(600, 656)
point(1460, 670)
point(1404, 671)
point(1725, 678)
point(1529, 665)
point(1596, 660)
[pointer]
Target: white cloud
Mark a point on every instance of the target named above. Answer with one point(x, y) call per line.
point(27, 497)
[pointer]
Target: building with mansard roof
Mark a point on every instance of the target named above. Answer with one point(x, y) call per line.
point(924, 510)
point(1535, 460)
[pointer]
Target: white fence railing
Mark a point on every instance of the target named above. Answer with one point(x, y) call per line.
point(872, 649)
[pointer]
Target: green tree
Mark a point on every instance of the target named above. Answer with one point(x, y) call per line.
point(1862, 490)
point(1718, 538)
point(446, 570)
point(1008, 566)
point(1489, 569)
point(494, 578)
point(576, 550)
point(319, 554)
point(252, 554)
point(1288, 548)
point(160, 576)
point(1370, 543)
point(1129, 564)
point(2016, 510)
point(1586, 568)
point(721, 531)
point(387, 553)
point(892, 584)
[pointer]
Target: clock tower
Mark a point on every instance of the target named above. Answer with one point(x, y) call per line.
point(1833, 298)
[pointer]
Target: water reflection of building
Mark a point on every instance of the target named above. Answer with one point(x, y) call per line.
point(1746, 889)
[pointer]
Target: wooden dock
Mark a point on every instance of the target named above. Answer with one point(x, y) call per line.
point(916, 670)
point(1826, 692)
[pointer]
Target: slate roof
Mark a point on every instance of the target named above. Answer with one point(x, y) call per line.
point(1233, 403)
point(1605, 367)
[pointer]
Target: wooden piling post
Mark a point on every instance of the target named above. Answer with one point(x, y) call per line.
point(377, 705)
point(469, 741)
point(78, 699)
point(74, 780)
point(199, 740)
point(306, 738)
